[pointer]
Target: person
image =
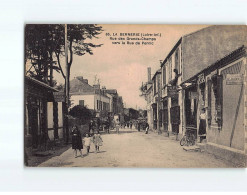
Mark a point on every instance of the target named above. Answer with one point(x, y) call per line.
point(107, 126)
point(146, 126)
point(130, 124)
point(117, 126)
point(202, 126)
point(76, 140)
point(139, 125)
point(97, 140)
point(91, 127)
point(87, 142)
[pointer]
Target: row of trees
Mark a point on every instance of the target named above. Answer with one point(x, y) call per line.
point(45, 46)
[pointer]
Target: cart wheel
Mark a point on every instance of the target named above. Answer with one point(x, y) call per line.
point(183, 140)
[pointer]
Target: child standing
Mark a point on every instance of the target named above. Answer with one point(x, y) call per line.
point(97, 140)
point(87, 142)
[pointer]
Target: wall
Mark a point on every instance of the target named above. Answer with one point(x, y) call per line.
point(231, 94)
point(50, 120)
point(202, 48)
point(88, 100)
point(102, 99)
point(169, 69)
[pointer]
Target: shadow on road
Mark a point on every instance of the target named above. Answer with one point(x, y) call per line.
point(120, 132)
point(94, 152)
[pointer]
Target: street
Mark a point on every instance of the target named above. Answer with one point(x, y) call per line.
point(136, 149)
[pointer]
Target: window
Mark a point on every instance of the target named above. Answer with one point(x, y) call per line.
point(177, 61)
point(164, 75)
point(170, 69)
point(81, 102)
point(154, 84)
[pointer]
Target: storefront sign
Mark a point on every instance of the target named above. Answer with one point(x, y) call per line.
point(234, 79)
point(193, 95)
point(172, 91)
point(59, 96)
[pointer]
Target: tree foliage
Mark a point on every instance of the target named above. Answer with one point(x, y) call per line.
point(44, 46)
point(82, 113)
point(40, 43)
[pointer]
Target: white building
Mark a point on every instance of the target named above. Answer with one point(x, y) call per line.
point(94, 98)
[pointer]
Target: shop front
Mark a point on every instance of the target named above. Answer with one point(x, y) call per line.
point(165, 115)
point(37, 96)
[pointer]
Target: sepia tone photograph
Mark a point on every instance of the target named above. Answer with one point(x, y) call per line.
point(136, 96)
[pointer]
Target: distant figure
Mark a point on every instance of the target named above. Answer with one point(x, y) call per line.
point(202, 126)
point(87, 142)
point(130, 124)
point(76, 141)
point(139, 125)
point(97, 140)
point(146, 126)
point(91, 128)
point(117, 123)
point(107, 126)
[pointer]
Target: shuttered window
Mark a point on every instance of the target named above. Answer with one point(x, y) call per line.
point(81, 102)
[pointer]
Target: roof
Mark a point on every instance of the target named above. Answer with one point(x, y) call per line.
point(111, 91)
point(234, 55)
point(79, 85)
point(40, 83)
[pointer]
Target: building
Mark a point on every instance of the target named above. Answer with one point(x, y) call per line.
point(93, 97)
point(147, 92)
point(191, 54)
point(131, 114)
point(103, 101)
point(220, 90)
point(43, 116)
point(155, 106)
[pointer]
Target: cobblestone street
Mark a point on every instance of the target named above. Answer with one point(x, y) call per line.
point(135, 149)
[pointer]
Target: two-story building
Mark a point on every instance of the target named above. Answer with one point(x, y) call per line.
point(94, 98)
point(192, 53)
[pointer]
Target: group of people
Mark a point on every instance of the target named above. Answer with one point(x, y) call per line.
point(90, 138)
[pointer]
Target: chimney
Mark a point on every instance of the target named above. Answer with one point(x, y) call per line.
point(149, 74)
point(96, 86)
point(80, 78)
point(103, 90)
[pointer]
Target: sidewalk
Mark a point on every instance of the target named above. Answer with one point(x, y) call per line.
point(36, 157)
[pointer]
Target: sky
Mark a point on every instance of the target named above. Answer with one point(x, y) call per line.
point(124, 67)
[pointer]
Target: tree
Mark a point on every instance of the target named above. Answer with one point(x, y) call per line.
point(82, 113)
point(40, 43)
point(43, 42)
point(78, 34)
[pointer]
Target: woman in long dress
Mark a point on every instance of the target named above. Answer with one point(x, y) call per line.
point(76, 141)
point(202, 126)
